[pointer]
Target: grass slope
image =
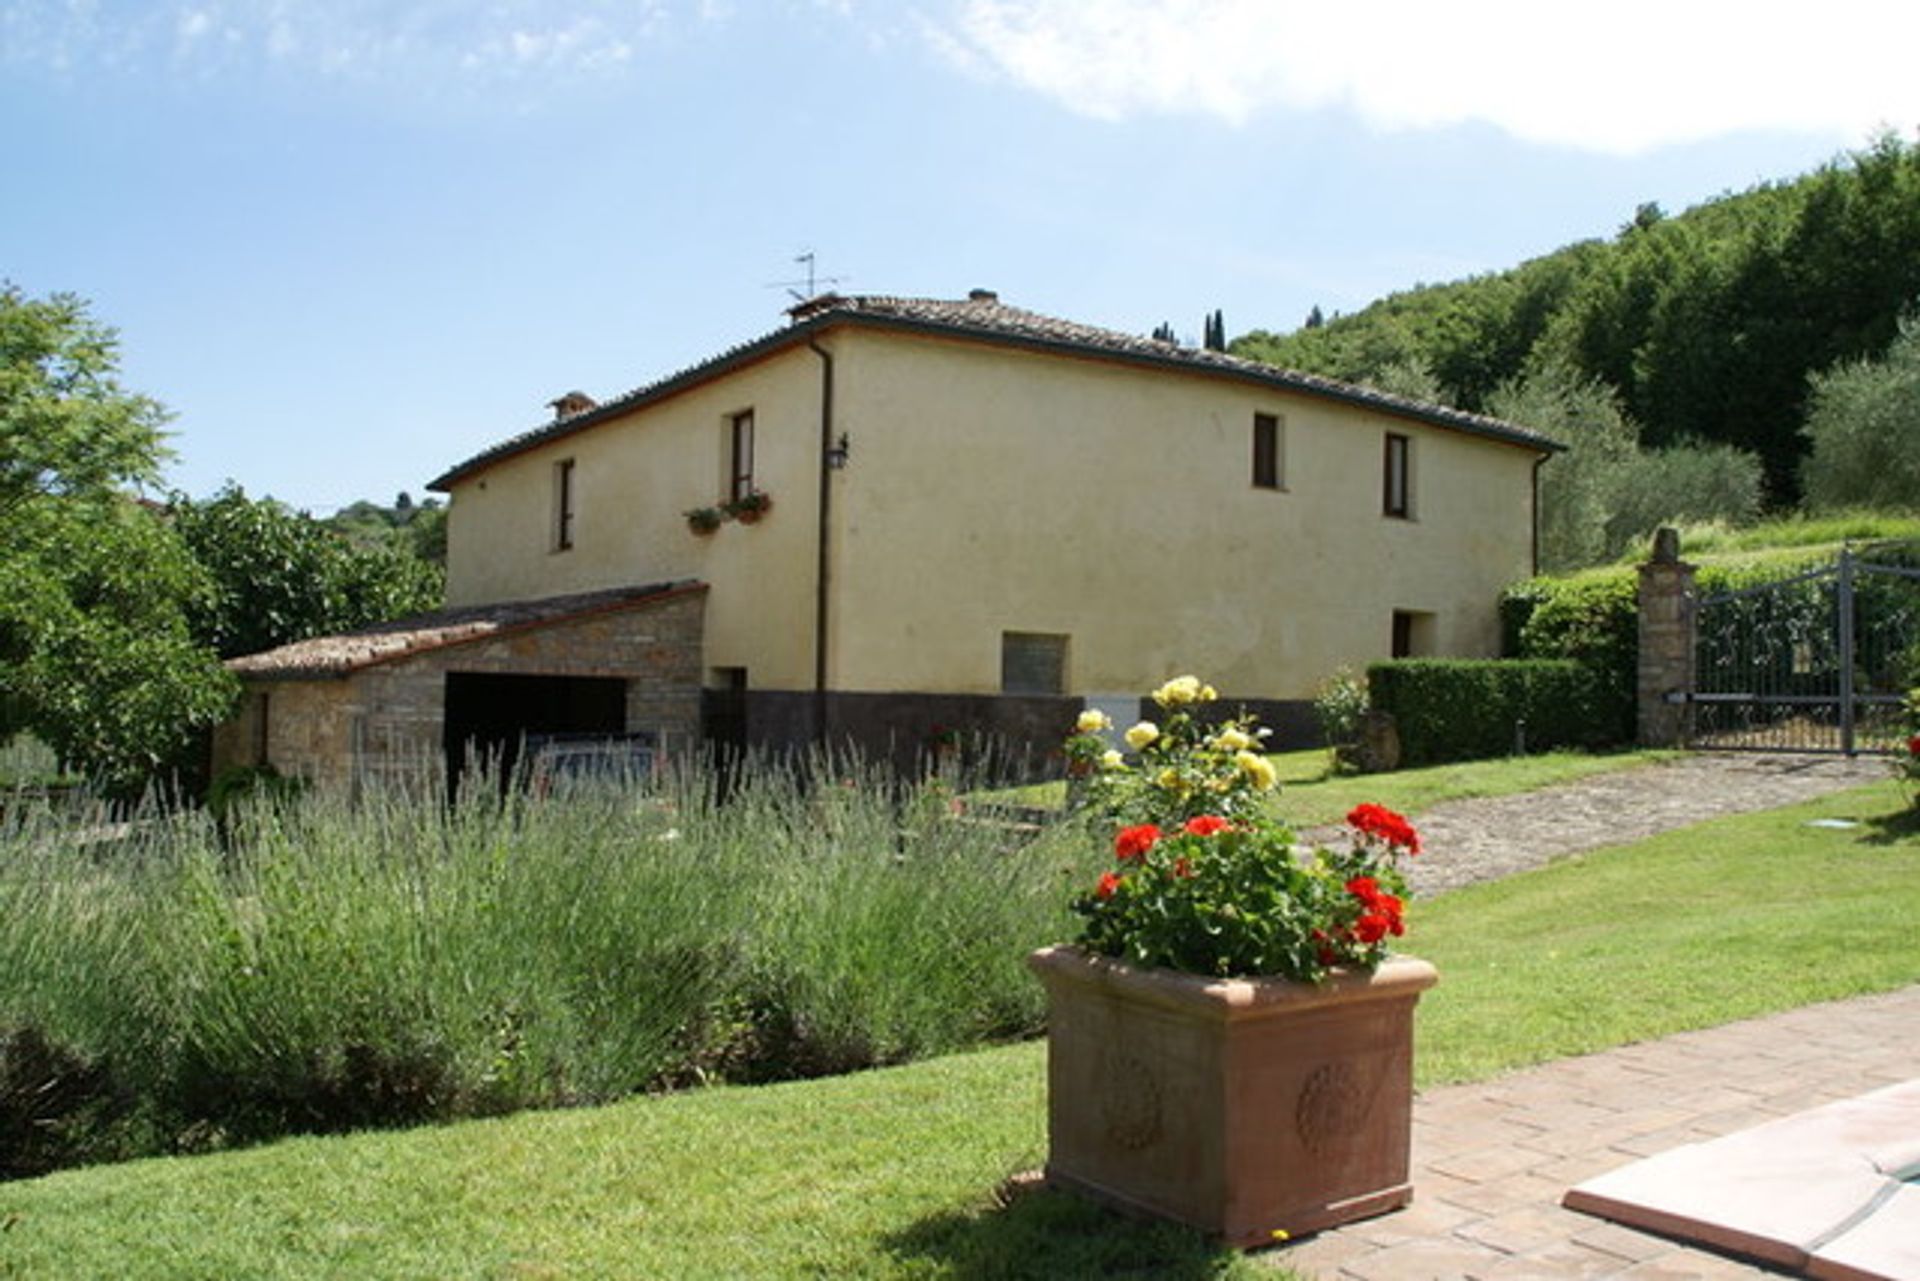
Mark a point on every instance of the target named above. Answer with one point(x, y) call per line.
point(892, 1173)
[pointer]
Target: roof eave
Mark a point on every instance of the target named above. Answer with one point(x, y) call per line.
point(350, 668)
point(759, 349)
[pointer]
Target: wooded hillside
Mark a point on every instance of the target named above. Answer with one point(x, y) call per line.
point(1706, 324)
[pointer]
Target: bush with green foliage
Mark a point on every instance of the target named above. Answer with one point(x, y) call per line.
point(1605, 492)
point(281, 576)
point(402, 959)
point(1863, 429)
point(1340, 704)
point(1469, 709)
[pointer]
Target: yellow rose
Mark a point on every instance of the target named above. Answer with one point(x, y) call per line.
point(1141, 735)
point(1233, 739)
point(1208, 693)
point(1111, 759)
point(1170, 780)
point(1258, 769)
point(1092, 721)
point(1181, 689)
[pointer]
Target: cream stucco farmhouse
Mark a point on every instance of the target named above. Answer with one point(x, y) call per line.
point(896, 518)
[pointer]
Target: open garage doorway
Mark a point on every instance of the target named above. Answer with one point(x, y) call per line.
point(490, 716)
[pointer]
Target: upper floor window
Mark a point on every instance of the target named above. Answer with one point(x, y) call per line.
point(563, 504)
point(1397, 490)
point(740, 455)
point(1267, 470)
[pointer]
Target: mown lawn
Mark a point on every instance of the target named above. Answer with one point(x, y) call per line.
point(893, 1173)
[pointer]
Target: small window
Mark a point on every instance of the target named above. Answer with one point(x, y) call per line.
point(1412, 634)
point(1266, 451)
point(740, 452)
point(1397, 499)
point(563, 500)
point(1033, 663)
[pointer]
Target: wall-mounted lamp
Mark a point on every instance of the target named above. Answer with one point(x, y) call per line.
point(839, 453)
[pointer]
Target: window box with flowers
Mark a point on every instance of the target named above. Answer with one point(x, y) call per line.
point(749, 507)
point(1230, 1043)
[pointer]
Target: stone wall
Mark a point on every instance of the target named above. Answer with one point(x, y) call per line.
point(387, 720)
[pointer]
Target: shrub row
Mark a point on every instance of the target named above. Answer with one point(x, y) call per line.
point(1470, 709)
point(317, 966)
point(1593, 618)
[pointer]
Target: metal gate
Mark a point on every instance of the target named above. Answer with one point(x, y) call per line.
point(1818, 662)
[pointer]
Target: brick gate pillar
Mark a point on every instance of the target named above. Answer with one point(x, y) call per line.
point(1666, 642)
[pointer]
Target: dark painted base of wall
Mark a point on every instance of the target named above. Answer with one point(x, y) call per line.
point(1008, 736)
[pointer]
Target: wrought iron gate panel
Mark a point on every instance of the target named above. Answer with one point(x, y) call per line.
point(1817, 662)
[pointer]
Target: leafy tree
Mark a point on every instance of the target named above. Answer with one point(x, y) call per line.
point(281, 576)
point(1412, 379)
point(96, 657)
point(1683, 484)
point(1577, 487)
point(1863, 425)
point(428, 532)
point(1705, 325)
point(67, 427)
point(1605, 491)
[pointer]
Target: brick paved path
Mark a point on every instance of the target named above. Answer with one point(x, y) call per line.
point(1492, 1159)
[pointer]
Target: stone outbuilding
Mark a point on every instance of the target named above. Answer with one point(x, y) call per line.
point(432, 691)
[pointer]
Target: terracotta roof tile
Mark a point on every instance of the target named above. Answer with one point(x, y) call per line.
point(983, 316)
point(328, 656)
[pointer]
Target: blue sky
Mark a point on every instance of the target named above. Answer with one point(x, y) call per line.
point(350, 243)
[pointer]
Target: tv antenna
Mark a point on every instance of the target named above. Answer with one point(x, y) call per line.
point(812, 282)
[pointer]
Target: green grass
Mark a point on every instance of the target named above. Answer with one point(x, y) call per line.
point(1795, 534)
point(1692, 928)
point(892, 1173)
point(1312, 794)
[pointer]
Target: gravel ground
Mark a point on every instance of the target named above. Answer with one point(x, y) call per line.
point(1483, 839)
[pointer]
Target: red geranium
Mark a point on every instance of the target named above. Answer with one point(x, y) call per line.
point(1108, 884)
point(1206, 825)
point(1182, 868)
point(1380, 822)
point(1913, 745)
point(1133, 842)
point(1383, 911)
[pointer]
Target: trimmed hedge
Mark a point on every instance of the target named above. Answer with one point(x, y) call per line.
point(1449, 709)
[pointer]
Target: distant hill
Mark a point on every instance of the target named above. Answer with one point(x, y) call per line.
point(1706, 323)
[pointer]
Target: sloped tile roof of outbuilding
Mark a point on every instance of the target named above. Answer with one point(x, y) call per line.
point(983, 317)
point(329, 656)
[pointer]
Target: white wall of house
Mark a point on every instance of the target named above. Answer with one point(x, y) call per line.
point(994, 490)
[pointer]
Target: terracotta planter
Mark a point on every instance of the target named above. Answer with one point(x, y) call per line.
point(1243, 1107)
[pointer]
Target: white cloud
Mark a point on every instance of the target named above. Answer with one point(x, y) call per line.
point(1622, 77)
point(361, 40)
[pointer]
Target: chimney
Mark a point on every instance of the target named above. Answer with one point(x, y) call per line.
point(571, 403)
point(982, 295)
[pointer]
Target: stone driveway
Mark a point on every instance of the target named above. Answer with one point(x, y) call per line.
point(1482, 839)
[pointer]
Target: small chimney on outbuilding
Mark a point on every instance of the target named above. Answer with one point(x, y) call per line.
point(571, 403)
point(982, 295)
